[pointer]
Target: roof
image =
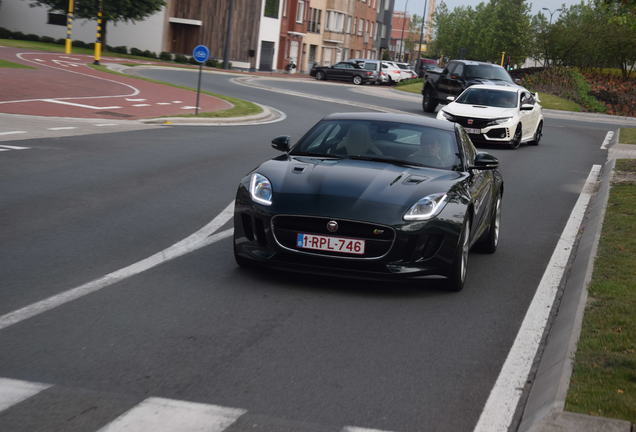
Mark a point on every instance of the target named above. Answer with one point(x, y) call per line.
point(474, 63)
point(397, 118)
point(496, 87)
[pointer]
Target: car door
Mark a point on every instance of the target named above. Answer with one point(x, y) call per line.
point(527, 118)
point(443, 84)
point(456, 80)
point(480, 184)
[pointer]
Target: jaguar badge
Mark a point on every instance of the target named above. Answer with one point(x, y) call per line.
point(332, 226)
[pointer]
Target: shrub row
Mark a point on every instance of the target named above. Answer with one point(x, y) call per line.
point(164, 55)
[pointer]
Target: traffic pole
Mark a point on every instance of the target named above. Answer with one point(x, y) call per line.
point(98, 36)
point(196, 109)
point(503, 53)
point(69, 28)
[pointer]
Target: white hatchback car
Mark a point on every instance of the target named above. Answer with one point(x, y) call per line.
point(392, 70)
point(493, 114)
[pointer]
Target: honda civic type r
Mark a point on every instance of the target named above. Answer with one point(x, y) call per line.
point(371, 195)
point(497, 115)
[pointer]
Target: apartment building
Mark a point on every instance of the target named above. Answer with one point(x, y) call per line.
point(293, 29)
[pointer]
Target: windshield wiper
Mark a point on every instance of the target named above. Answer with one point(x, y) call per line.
point(391, 161)
point(320, 155)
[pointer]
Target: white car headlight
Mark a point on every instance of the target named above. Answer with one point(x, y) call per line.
point(447, 116)
point(497, 121)
point(426, 208)
point(261, 189)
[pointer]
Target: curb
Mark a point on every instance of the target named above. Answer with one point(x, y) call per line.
point(543, 409)
point(268, 115)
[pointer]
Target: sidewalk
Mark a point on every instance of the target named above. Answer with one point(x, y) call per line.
point(65, 86)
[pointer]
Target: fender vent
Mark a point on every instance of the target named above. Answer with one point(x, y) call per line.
point(413, 180)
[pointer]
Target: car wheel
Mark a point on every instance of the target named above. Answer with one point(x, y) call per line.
point(516, 140)
point(357, 80)
point(537, 135)
point(458, 273)
point(320, 76)
point(490, 240)
point(428, 103)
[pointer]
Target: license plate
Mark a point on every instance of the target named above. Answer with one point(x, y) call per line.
point(331, 244)
point(472, 131)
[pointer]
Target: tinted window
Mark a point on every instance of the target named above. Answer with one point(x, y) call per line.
point(487, 72)
point(459, 70)
point(469, 149)
point(488, 97)
point(371, 66)
point(388, 140)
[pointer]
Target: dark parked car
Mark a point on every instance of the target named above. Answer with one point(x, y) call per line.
point(456, 77)
point(371, 195)
point(423, 65)
point(345, 71)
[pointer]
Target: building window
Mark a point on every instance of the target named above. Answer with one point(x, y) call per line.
point(300, 11)
point(271, 8)
point(334, 21)
point(360, 26)
point(383, 33)
point(314, 20)
point(56, 19)
point(347, 28)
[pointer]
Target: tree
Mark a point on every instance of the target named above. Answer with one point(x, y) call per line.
point(113, 10)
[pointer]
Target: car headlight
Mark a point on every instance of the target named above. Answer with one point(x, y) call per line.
point(261, 189)
point(426, 208)
point(448, 116)
point(497, 121)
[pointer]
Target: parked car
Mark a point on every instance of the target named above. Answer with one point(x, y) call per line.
point(393, 71)
point(497, 115)
point(378, 77)
point(371, 195)
point(345, 71)
point(406, 71)
point(424, 64)
point(457, 76)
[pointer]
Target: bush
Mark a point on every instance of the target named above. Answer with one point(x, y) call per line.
point(150, 54)
point(47, 39)
point(17, 35)
point(191, 60)
point(80, 44)
point(212, 63)
point(91, 45)
point(165, 55)
point(180, 58)
point(60, 41)
point(119, 49)
point(5, 33)
point(136, 52)
point(32, 37)
point(584, 93)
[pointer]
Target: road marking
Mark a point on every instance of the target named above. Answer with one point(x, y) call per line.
point(176, 102)
point(15, 391)
point(163, 103)
point(141, 105)
point(607, 140)
point(504, 396)
point(9, 147)
point(12, 132)
point(166, 415)
point(38, 60)
point(62, 128)
point(188, 107)
point(57, 101)
point(106, 124)
point(203, 237)
point(135, 100)
point(358, 429)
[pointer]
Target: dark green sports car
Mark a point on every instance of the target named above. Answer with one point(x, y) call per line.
point(371, 195)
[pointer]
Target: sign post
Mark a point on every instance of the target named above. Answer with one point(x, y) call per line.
point(200, 53)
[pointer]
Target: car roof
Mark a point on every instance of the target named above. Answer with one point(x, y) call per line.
point(496, 87)
point(475, 63)
point(390, 117)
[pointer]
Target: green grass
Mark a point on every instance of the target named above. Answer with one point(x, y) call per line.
point(241, 107)
point(549, 101)
point(628, 136)
point(604, 377)
point(8, 64)
point(411, 88)
point(46, 46)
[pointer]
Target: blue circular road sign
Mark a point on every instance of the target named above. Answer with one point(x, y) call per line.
point(201, 53)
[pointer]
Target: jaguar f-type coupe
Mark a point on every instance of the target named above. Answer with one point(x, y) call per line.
point(371, 195)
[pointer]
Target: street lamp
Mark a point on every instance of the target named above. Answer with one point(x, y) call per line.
point(401, 53)
point(552, 12)
point(419, 51)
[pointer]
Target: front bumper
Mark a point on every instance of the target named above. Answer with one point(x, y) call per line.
point(486, 135)
point(412, 250)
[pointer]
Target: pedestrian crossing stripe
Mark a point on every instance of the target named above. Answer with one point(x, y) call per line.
point(152, 414)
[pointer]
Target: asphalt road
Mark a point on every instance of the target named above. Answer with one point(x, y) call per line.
point(299, 353)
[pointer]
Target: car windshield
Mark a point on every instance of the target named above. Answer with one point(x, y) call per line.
point(487, 72)
point(403, 65)
point(370, 66)
point(381, 141)
point(488, 97)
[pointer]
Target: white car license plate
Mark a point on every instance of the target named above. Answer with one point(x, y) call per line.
point(332, 244)
point(472, 131)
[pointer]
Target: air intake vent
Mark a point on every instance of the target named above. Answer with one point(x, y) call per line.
point(414, 180)
point(299, 169)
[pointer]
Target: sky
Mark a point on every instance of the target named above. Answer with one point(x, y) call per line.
point(417, 6)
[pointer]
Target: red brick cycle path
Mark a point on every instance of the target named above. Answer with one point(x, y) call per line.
point(65, 86)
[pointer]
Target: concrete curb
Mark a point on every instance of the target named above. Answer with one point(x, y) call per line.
point(543, 410)
point(268, 115)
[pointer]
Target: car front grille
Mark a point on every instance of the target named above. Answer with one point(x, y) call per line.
point(471, 122)
point(378, 238)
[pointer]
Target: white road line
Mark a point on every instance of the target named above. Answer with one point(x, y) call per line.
point(12, 132)
point(167, 415)
point(58, 101)
point(197, 240)
point(607, 140)
point(358, 429)
point(177, 102)
point(62, 128)
point(38, 60)
point(3, 149)
point(141, 105)
point(106, 124)
point(188, 107)
point(10, 147)
point(15, 391)
point(504, 396)
point(163, 103)
point(135, 100)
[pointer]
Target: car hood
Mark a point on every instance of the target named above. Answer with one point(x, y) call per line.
point(474, 81)
point(351, 189)
point(477, 111)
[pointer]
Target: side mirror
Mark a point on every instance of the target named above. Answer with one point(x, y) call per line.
point(485, 161)
point(517, 81)
point(450, 98)
point(281, 143)
point(527, 107)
